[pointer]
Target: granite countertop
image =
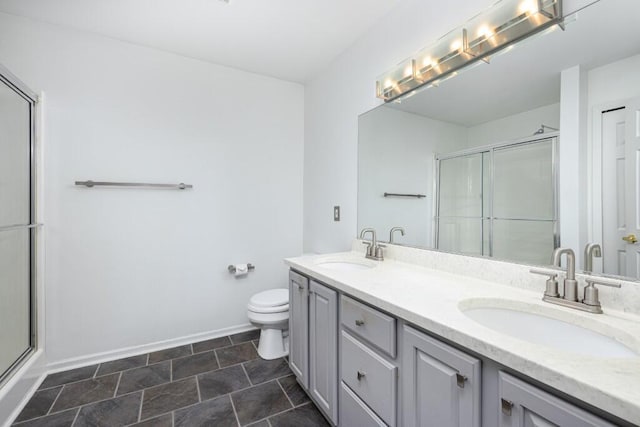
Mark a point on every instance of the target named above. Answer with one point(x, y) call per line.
point(434, 300)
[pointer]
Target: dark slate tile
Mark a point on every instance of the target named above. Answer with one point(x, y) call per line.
point(199, 347)
point(236, 354)
point(165, 420)
point(260, 370)
point(170, 353)
point(259, 402)
point(167, 397)
point(307, 415)
point(120, 411)
point(217, 412)
point(222, 381)
point(86, 391)
point(39, 404)
point(61, 419)
point(294, 391)
point(245, 336)
point(263, 423)
point(193, 365)
point(122, 364)
point(147, 376)
point(71, 376)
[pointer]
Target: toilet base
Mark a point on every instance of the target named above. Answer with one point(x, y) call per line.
point(272, 344)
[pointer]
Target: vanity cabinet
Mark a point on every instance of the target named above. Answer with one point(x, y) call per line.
point(313, 341)
point(299, 327)
point(523, 405)
point(441, 385)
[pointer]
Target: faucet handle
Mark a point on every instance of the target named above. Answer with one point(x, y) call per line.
point(591, 292)
point(552, 282)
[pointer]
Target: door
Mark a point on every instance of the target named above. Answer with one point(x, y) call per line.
point(522, 405)
point(17, 228)
point(299, 327)
point(441, 385)
point(323, 349)
point(620, 175)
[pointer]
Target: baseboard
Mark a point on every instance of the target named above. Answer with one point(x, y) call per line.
point(92, 359)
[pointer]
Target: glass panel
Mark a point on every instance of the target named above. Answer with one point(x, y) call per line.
point(461, 186)
point(530, 242)
point(14, 296)
point(15, 132)
point(461, 235)
point(523, 182)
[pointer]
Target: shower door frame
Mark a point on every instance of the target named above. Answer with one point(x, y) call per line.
point(31, 97)
point(552, 136)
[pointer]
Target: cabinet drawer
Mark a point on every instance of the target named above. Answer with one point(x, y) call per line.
point(371, 377)
point(354, 412)
point(377, 328)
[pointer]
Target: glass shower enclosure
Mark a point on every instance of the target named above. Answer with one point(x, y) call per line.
point(17, 223)
point(499, 201)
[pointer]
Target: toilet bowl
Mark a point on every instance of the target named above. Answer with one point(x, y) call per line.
point(269, 311)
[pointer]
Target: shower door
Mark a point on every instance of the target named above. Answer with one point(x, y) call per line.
point(17, 228)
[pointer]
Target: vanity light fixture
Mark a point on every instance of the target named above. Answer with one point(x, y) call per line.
point(501, 26)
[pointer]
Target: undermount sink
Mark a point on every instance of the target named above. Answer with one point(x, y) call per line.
point(538, 328)
point(346, 265)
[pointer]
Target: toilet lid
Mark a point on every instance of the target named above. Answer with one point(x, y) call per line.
point(270, 298)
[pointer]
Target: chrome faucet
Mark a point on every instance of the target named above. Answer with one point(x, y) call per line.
point(374, 249)
point(590, 251)
point(393, 230)
point(570, 283)
point(590, 303)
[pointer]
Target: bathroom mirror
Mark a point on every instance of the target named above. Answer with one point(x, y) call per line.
point(472, 166)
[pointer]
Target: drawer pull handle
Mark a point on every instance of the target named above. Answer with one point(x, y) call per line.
point(460, 380)
point(506, 407)
point(360, 375)
point(359, 322)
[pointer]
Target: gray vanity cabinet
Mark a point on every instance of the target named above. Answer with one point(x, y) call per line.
point(441, 385)
point(523, 405)
point(323, 348)
point(299, 327)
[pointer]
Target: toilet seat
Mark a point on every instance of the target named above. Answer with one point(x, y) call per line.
point(270, 298)
point(265, 310)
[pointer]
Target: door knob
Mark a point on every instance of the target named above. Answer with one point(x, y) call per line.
point(631, 238)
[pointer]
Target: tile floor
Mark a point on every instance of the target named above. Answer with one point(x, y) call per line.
point(219, 382)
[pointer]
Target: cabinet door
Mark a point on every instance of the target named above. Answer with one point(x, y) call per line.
point(441, 385)
point(523, 405)
point(323, 349)
point(299, 327)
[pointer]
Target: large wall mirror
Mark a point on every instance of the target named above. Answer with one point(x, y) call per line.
point(475, 165)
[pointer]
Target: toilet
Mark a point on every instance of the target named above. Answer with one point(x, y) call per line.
point(269, 311)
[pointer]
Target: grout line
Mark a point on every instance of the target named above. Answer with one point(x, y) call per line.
point(268, 422)
point(115, 391)
point(173, 418)
point(171, 371)
point(54, 401)
point(198, 388)
point(191, 348)
point(234, 409)
point(141, 402)
point(148, 357)
point(246, 373)
point(285, 393)
point(97, 369)
point(76, 417)
point(217, 359)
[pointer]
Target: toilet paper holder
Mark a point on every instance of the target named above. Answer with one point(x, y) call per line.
point(232, 268)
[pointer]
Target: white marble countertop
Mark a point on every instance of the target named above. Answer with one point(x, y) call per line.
point(432, 299)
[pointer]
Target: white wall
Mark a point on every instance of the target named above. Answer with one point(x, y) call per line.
point(126, 267)
point(397, 156)
point(617, 81)
point(515, 126)
point(335, 98)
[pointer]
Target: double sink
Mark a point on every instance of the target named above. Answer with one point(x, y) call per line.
point(556, 328)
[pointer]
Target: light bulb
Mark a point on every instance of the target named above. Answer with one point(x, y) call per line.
point(484, 31)
point(388, 83)
point(529, 7)
point(408, 71)
point(456, 45)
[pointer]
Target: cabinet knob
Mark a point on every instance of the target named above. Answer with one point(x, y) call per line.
point(506, 406)
point(360, 375)
point(359, 322)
